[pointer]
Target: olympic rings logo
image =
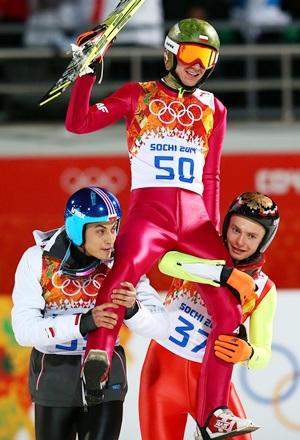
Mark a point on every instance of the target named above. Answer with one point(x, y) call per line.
point(176, 110)
point(289, 379)
point(284, 389)
point(113, 178)
point(72, 287)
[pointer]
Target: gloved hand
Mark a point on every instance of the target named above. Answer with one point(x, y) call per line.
point(78, 49)
point(233, 348)
point(95, 68)
point(241, 283)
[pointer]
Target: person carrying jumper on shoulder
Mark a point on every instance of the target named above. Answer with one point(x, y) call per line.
point(170, 395)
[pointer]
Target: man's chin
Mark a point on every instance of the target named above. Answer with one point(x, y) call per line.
point(104, 255)
point(191, 83)
point(237, 257)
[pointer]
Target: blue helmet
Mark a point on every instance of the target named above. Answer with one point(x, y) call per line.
point(89, 205)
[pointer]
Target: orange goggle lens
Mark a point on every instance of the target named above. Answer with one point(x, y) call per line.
point(192, 53)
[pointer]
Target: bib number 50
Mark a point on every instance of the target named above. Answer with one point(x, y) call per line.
point(184, 170)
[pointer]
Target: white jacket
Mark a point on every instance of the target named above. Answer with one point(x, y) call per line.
point(57, 330)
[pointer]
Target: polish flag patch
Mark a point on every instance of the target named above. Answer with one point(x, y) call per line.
point(203, 38)
point(50, 332)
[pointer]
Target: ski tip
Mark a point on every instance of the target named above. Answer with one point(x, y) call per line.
point(48, 98)
point(54, 93)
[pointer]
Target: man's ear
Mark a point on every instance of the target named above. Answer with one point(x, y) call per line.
point(168, 60)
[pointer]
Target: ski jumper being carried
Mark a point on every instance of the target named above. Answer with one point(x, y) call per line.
point(175, 132)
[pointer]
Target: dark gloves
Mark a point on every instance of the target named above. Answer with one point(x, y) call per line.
point(87, 323)
point(132, 311)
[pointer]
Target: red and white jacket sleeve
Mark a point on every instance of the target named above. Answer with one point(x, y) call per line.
point(29, 325)
point(83, 117)
point(32, 329)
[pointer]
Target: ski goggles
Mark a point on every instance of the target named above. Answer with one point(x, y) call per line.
point(191, 53)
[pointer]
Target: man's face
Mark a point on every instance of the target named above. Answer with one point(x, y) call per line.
point(243, 237)
point(189, 74)
point(100, 239)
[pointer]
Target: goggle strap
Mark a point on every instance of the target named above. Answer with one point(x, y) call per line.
point(212, 58)
point(171, 45)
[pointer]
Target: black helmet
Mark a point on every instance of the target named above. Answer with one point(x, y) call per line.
point(258, 207)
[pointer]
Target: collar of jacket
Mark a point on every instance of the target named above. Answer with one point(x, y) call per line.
point(57, 245)
point(252, 268)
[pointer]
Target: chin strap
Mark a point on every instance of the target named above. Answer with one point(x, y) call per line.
point(181, 92)
point(64, 260)
point(173, 81)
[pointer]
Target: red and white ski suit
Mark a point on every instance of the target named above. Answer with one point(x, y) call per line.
point(174, 146)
